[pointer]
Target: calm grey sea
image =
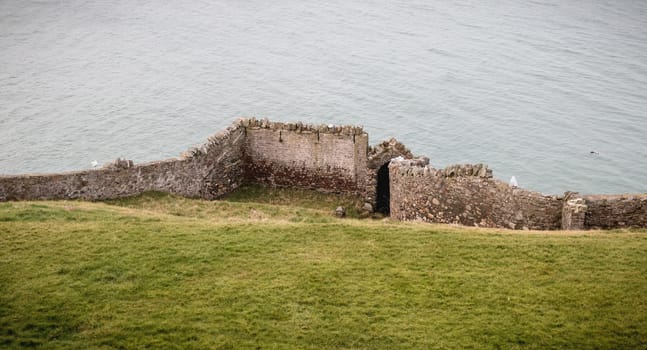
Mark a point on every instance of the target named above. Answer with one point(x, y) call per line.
point(528, 87)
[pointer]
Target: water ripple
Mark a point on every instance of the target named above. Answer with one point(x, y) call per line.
point(528, 87)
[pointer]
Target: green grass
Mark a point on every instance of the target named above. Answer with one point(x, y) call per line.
point(274, 269)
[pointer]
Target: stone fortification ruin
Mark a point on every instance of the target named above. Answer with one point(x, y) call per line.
point(469, 195)
point(337, 159)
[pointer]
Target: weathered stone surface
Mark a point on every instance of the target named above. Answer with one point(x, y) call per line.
point(614, 211)
point(328, 162)
point(193, 175)
point(378, 156)
point(573, 212)
point(467, 195)
point(340, 212)
point(333, 158)
point(120, 163)
point(476, 170)
point(347, 130)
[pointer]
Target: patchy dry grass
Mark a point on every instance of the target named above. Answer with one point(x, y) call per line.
point(274, 269)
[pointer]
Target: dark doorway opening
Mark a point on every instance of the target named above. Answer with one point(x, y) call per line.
point(383, 194)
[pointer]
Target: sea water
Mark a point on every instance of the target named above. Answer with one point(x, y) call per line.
point(552, 92)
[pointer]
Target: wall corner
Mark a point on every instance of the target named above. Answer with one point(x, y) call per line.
point(573, 211)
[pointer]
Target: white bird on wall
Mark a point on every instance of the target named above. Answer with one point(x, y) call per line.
point(94, 163)
point(513, 182)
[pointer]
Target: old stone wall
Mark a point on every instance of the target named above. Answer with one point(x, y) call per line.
point(379, 156)
point(208, 172)
point(615, 211)
point(337, 159)
point(324, 158)
point(573, 211)
point(467, 195)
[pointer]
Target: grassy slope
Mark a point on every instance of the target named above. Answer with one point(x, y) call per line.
point(250, 272)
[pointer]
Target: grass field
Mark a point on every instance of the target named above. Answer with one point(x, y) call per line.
point(273, 269)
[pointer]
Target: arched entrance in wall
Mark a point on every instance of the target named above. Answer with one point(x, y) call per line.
point(383, 192)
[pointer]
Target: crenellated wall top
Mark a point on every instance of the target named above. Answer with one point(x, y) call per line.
point(421, 167)
point(301, 127)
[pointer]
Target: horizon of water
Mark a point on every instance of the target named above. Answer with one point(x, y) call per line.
point(530, 88)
